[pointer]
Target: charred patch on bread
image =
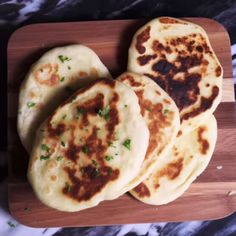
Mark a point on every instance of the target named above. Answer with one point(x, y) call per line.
point(172, 170)
point(142, 190)
point(130, 80)
point(141, 39)
point(159, 47)
point(218, 71)
point(167, 20)
point(143, 60)
point(203, 143)
point(205, 104)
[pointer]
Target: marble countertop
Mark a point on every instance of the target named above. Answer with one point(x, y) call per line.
point(15, 13)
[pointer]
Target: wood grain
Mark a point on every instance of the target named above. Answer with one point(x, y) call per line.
point(207, 197)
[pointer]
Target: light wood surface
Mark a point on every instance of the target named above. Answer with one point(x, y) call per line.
point(207, 197)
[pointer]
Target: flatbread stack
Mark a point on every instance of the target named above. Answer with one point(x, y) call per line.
point(150, 132)
point(178, 56)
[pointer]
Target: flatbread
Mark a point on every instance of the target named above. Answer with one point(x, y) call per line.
point(52, 79)
point(177, 54)
point(161, 116)
point(187, 160)
point(95, 144)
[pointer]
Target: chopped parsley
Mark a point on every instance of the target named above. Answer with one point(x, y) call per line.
point(116, 154)
point(68, 187)
point(104, 113)
point(95, 163)
point(31, 104)
point(11, 224)
point(62, 78)
point(149, 109)
point(63, 58)
point(126, 105)
point(165, 111)
point(85, 149)
point(44, 147)
point(108, 158)
point(59, 158)
point(80, 111)
point(64, 117)
point(68, 67)
point(109, 171)
point(127, 144)
point(63, 143)
point(42, 157)
point(96, 172)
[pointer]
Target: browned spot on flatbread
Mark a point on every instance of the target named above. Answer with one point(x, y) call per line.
point(32, 94)
point(93, 180)
point(172, 170)
point(205, 104)
point(130, 80)
point(142, 190)
point(94, 72)
point(166, 101)
point(55, 130)
point(141, 39)
point(203, 143)
point(218, 71)
point(167, 20)
point(159, 47)
point(156, 185)
point(158, 122)
point(83, 74)
point(51, 79)
point(179, 133)
point(53, 178)
point(143, 60)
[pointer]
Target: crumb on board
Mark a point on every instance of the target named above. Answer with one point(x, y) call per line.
point(219, 167)
point(230, 193)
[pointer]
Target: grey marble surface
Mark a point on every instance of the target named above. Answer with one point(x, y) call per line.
point(15, 13)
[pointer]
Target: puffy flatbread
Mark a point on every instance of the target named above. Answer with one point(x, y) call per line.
point(91, 146)
point(177, 54)
point(188, 159)
point(161, 116)
point(50, 80)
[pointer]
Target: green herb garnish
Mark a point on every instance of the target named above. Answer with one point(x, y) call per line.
point(85, 149)
point(165, 111)
point(149, 109)
point(127, 144)
point(44, 147)
point(68, 67)
point(31, 104)
point(96, 172)
point(68, 187)
point(63, 143)
point(109, 171)
point(111, 144)
point(108, 158)
point(126, 105)
point(63, 58)
point(80, 111)
point(64, 117)
point(11, 224)
point(104, 113)
point(94, 162)
point(59, 158)
point(42, 157)
point(62, 78)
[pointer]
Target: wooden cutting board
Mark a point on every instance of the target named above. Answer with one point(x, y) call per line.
point(209, 197)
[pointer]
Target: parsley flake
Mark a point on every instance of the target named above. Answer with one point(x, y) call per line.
point(109, 171)
point(64, 117)
point(126, 105)
point(62, 78)
point(94, 162)
point(165, 111)
point(108, 158)
point(68, 67)
point(80, 111)
point(59, 158)
point(68, 187)
point(111, 144)
point(42, 157)
point(85, 149)
point(63, 143)
point(127, 144)
point(149, 109)
point(11, 224)
point(44, 147)
point(63, 58)
point(104, 113)
point(31, 104)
